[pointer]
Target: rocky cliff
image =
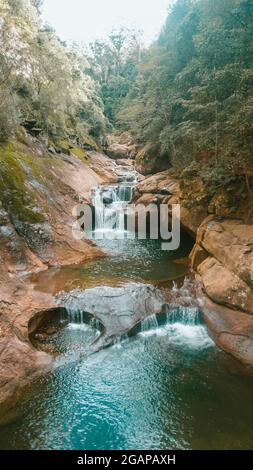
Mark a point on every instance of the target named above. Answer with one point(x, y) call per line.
point(222, 258)
point(40, 183)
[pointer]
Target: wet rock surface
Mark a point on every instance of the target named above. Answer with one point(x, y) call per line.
point(20, 363)
point(41, 188)
point(118, 309)
point(222, 255)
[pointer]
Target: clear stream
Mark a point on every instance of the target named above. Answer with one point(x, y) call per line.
point(169, 387)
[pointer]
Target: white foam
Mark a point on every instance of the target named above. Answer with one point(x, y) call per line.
point(79, 326)
point(193, 336)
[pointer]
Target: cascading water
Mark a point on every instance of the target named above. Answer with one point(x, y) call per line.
point(166, 387)
point(185, 315)
point(149, 323)
point(182, 325)
point(124, 193)
point(110, 203)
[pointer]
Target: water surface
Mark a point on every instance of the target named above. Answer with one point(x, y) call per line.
point(168, 388)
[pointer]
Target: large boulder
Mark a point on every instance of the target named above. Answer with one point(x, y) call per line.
point(118, 309)
point(118, 151)
point(224, 287)
point(20, 363)
point(162, 183)
point(232, 330)
point(231, 243)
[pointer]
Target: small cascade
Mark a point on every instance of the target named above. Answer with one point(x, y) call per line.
point(119, 341)
point(150, 323)
point(110, 203)
point(124, 193)
point(98, 204)
point(185, 315)
point(76, 316)
point(181, 325)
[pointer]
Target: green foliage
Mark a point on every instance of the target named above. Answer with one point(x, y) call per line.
point(44, 85)
point(218, 175)
point(114, 65)
point(194, 89)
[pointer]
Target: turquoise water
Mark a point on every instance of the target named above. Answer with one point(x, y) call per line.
point(169, 387)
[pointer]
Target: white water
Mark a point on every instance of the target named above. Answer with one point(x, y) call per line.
point(110, 204)
point(183, 326)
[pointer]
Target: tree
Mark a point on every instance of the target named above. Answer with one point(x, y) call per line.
point(114, 64)
point(43, 83)
point(194, 89)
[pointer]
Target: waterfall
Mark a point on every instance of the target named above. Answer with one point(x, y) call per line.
point(184, 315)
point(99, 206)
point(181, 326)
point(125, 193)
point(149, 323)
point(110, 203)
point(75, 315)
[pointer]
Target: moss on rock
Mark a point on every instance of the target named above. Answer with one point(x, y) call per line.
point(16, 199)
point(81, 154)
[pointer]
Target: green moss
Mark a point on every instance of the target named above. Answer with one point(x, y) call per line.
point(13, 193)
point(64, 145)
point(89, 143)
point(79, 153)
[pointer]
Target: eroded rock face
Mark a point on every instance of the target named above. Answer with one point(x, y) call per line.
point(37, 198)
point(121, 147)
point(161, 183)
point(232, 330)
point(118, 151)
point(19, 361)
point(165, 187)
point(232, 244)
point(118, 309)
point(224, 287)
point(224, 259)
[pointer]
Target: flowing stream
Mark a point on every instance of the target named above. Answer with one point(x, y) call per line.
point(166, 386)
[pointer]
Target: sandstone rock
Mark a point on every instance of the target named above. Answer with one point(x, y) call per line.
point(231, 243)
point(224, 287)
point(118, 151)
point(231, 330)
point(160, 183)
point(164, 183)
point(118, 309)
point(19, 361)
point(192, 218)
point(126, 162)
point(134, 150)
point(197, 256)
point(147, 199)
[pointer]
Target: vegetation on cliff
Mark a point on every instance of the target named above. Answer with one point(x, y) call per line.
point(44, 84)
point(193, 94)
